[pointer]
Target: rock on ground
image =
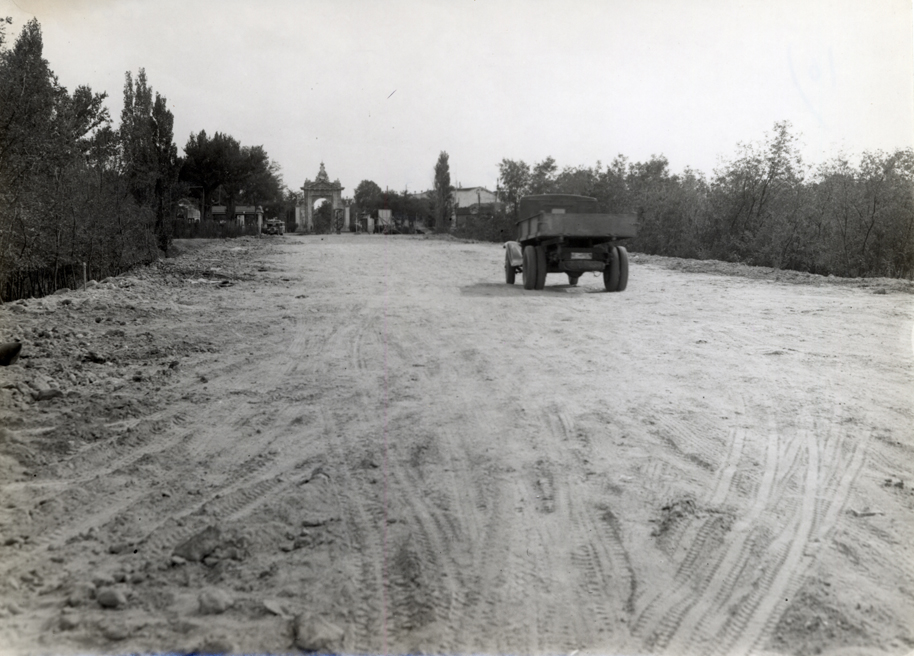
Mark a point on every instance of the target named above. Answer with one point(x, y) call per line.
point(315, 634)
point(215, 601)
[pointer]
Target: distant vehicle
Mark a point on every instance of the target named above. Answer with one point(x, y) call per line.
point(564, 233)
point(187, 212)
point(274, 227)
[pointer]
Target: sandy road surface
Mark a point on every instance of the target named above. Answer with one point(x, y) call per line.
point(367, 444)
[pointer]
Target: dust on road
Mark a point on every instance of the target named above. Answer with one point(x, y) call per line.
point(367, 444)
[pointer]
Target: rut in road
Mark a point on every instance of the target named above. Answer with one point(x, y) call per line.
point(735, 576)
point(452, 547)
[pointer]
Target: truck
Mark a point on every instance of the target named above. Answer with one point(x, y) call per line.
point(274, 227)
point(566, 233)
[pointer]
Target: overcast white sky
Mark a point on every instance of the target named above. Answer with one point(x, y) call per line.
point(377, 89)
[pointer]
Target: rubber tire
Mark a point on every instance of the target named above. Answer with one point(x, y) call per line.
point(529, 267)
point(573, 279)
point(540, 267)
point(623, 269)
point(510, 273)
point(611, 272)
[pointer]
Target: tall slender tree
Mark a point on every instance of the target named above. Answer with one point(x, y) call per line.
point(150, 157)
point(443, 191)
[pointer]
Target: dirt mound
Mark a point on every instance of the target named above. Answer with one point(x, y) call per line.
point(717, 267)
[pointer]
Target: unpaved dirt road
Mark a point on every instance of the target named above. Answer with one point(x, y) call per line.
point(367, 444)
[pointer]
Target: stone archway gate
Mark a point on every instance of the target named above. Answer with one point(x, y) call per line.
point(312, 191)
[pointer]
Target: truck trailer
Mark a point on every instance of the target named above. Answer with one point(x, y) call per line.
point(565, 233)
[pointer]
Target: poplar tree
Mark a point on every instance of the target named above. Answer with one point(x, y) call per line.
point(443, 190)
point(150, 157)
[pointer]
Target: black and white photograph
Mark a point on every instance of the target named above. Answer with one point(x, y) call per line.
point(457, 327)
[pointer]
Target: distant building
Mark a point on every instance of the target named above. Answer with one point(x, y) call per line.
point(245, 215)
point(466, 196)
point(471, 201)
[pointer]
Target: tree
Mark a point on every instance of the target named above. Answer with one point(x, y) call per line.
point(611, 187)
point(323, 217)
point(413, 209)
point(150, 157)
point(61, 191)
point(368, 196)
point(7, 20)
point(239, 173)
point(542, 178)
point(756, 199)
point(443, 191)
point(210, 162)
point(579, 180)
point(261, 181)
point(515, 179)
point(29, 95)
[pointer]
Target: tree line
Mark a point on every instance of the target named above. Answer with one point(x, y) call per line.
point(76, 189)
point(430, 209)
point(764, 206)
point(407, 209)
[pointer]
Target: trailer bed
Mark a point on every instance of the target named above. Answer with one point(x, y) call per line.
point(549, 225)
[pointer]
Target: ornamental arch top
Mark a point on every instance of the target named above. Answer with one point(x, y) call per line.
point(321, 187)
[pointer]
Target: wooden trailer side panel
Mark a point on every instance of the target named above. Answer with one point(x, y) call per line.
point(571, 225)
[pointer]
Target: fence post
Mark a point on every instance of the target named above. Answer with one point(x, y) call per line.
point(85, 281)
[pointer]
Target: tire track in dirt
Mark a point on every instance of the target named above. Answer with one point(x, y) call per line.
point(661, 619)
point(71, 525)
point(727, 607)
point(609, 582)
point(157, 439)
point(362, 513)
point(73, 528)
point(829, 470)
point(362, 504)
point(782, 565)
point(174, 437)
point(816, 521)
point(425, 577)
point(421, 568)
point(229, 504)
point(483, 576)
point(464, 532)
point(578, 543)
point(700, 628)
point(693, 537)
point(423, 581)
point(103, 454)
point(682, 438)
point(520, 615)
point(728, 468)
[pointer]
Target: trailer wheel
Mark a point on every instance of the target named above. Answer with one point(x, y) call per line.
point(510, 274)
point(611, 272)
point(529, 271)
point(623, 269)
point(540, 267)
point(573, 279)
